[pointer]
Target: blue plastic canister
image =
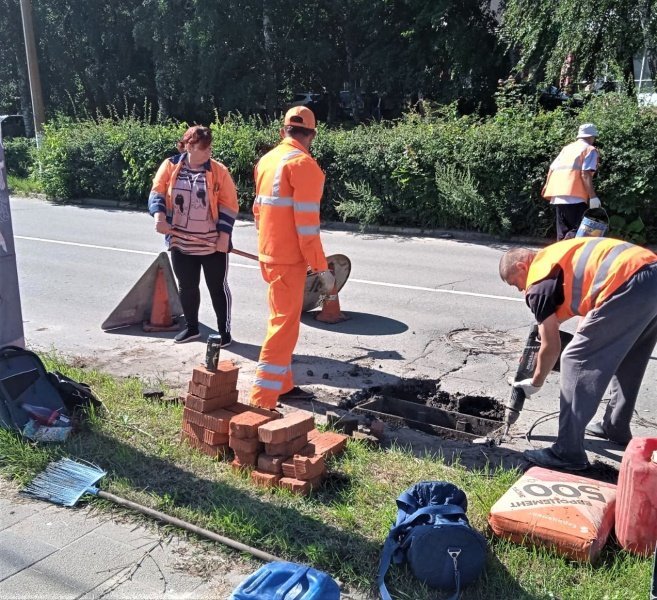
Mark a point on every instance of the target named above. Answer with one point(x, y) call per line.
point(594, 223)
point(287, 581)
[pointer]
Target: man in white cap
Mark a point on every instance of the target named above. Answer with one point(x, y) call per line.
point(569, 184)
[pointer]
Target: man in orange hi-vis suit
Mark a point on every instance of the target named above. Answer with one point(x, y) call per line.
point(289, 185)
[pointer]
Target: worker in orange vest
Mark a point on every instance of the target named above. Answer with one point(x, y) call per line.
point(569, 185)
point(289, 185)
point(607, 282)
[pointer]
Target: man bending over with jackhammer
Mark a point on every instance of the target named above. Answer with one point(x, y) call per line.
point(613, 285)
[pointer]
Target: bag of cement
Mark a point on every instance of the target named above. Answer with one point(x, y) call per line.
point(568, 513)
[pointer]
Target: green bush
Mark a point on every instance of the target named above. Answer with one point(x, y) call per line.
point(19, 156)
point(436, 171)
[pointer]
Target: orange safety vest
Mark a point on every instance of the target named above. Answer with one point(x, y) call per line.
point(289, 186)
point(220, 186)
point(593, 269)
point(565, 174)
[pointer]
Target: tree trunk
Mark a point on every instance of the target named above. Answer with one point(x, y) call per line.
point(24, 91)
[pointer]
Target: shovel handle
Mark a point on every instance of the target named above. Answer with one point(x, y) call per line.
point(211, 535)
point(192, 238)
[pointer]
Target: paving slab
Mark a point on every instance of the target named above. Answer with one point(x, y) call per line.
point(34, 585)
point(13, 510)
point(19, 552)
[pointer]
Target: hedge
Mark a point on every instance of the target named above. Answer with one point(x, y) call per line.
point(436, 171)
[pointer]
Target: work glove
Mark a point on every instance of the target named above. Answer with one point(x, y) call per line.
point(326, 282)
point(527, 387)
point(595, 202)
point(161, 226)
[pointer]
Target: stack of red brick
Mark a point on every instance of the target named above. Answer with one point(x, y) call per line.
point(209, 406)
point(288, 451)
point(294, 453)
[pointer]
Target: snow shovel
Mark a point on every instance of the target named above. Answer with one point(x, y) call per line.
point(64, 482)
point(313, 297)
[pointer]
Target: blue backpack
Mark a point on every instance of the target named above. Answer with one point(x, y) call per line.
point(287, 581)
point(433, 535)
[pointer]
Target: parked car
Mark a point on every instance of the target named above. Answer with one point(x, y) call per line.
point(314, 101)
point(12, 126)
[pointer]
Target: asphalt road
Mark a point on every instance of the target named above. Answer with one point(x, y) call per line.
point(419, 307)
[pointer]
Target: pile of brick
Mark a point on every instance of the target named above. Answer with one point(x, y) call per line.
point(209, 406)
point(294, 453)
point(282, 451)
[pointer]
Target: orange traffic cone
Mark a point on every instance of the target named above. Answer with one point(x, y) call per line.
point(331, 312)
point(152, 302)
point(161, 317)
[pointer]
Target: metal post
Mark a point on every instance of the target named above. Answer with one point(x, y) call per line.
point(11, 320)
point(33, 69)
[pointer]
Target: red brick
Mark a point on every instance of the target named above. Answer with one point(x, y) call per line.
point(244, 444)
point(288, 468)
point(206, 393)
point(287, 448)
point(193, 430)
point(214, 451)
point(313, 433)
point(240, 408)
point(328, 444)
point(295, 485)
point(212, 438)
point(225, 375)
point(291, 426)
point(264, 479)
point(246, 459)
point(245, 425)
point(308, 467)
point(301, 486)
point(216, 420)
point(270, 464)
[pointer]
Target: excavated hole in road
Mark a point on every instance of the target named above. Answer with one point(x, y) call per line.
point(421, 404)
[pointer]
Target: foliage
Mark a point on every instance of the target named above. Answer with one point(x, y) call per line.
point(19, 156)
point(436, 171)
point(190, 57)
point(602, 36)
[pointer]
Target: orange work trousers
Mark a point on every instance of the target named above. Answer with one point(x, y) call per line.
point(274, 370)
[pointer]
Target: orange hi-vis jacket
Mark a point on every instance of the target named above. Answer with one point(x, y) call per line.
point(220, 186)
point(289, 186)
point(593, 269)
point(565, 174)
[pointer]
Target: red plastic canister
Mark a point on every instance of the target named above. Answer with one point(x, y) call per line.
point(636, 500)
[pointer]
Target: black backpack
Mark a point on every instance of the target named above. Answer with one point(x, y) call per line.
point(25, 380)
point(433, 535)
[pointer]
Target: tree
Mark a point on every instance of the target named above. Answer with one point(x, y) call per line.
point(602, 36)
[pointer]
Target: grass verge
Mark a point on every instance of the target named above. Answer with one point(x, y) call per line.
point(339, 529)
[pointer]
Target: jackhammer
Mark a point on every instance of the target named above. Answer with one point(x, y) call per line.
point(525, 371)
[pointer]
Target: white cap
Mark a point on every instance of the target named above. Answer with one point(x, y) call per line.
point(587, 130)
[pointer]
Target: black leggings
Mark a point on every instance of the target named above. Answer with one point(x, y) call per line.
point(187, 268)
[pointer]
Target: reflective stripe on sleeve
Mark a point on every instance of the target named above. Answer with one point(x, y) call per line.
point(306, 206)
point(308, 230)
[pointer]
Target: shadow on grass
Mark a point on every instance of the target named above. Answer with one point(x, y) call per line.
point(275, 527)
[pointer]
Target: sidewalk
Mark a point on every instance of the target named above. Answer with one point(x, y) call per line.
point(50, 552)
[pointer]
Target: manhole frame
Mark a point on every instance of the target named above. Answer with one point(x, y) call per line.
point(376, 408)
